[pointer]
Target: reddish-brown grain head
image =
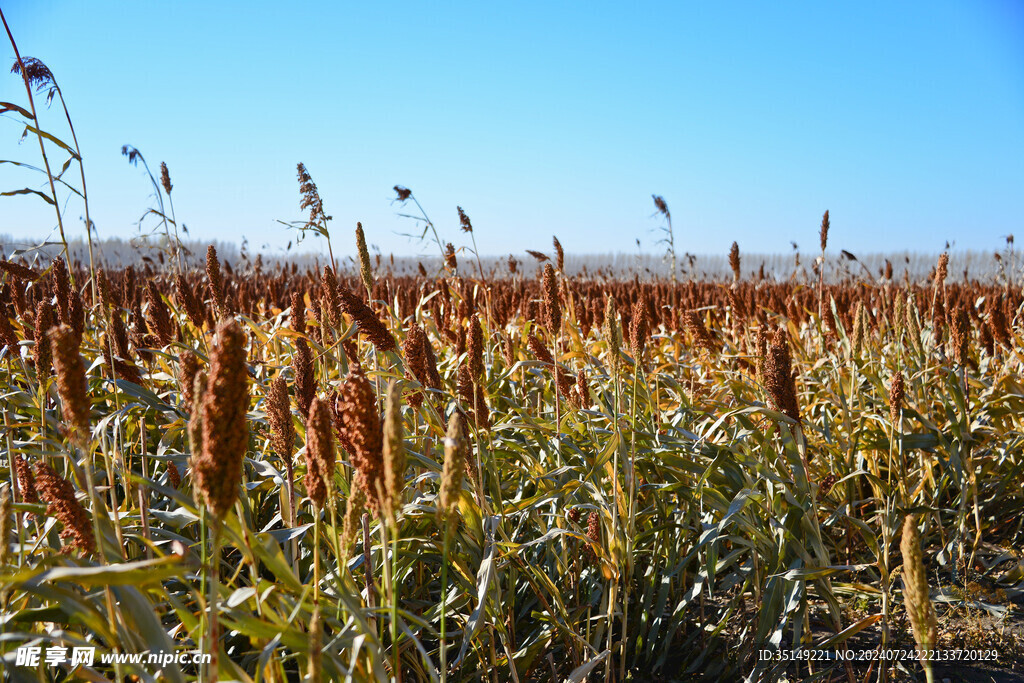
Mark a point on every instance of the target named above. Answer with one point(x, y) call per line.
point(279, 415)
point(61, 503)
point(779, 377)
point(225, 432)
point(41, 352)
point(896, 393)
point(305, 381)
point(361, 427)
point(71, 383)
point(319, 452)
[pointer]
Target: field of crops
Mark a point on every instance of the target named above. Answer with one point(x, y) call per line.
point(479, 476)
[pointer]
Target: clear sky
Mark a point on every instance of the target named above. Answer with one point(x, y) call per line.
point(905, 119)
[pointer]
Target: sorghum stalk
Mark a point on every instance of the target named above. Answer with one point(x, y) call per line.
point(448, 499)
point(224, 433)
point(316, 643)
point(823, 235)
point(394, 480)
point(39, 134)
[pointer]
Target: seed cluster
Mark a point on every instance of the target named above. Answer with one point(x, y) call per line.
point(59, 496)
point(225, 430)
point(319, 452)
point(361, 431)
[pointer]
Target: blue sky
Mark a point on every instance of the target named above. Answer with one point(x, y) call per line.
point(905, 120)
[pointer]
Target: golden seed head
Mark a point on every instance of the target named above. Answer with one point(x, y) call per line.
point(365, 270)
point(898, 317)
point(394, 448)
point(559, 254)
point(913, 326)
point(918, 603)
point(639, 331)
point(612, 331)
point(454, 466)
point(857, 336)
point(354, 508)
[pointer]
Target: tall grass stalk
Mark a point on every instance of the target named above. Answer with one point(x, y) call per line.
point(37, 129)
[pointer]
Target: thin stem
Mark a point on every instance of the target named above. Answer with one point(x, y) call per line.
point(444, 600)
point(42, 147)
point(214, 570)
point(85, 193)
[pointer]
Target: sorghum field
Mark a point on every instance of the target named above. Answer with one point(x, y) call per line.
point(507, 474)
point(484, 476)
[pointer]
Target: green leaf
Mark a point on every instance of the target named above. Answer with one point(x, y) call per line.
point(127, 573)
point(484, 577)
